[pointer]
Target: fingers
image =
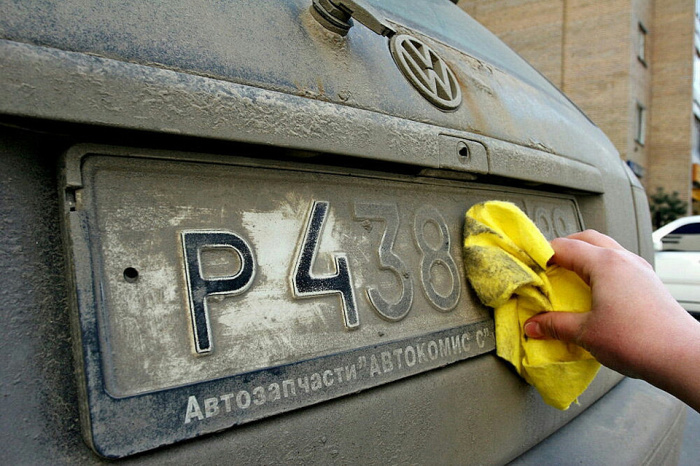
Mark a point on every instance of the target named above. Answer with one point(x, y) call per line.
point(576, 255)
point(591, 253)
point(564, 326)
point(580, 252)
point(596, 239)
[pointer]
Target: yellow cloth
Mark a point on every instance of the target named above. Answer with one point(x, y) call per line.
point(505, 258)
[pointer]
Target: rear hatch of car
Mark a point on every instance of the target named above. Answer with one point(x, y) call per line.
point(262, 222)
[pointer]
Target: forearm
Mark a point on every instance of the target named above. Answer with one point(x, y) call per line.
point(675, 367)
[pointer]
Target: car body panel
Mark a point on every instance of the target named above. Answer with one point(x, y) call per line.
point(296, 56)
point(231, 79)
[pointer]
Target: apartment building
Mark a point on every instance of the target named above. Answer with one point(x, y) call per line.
point(628, 64)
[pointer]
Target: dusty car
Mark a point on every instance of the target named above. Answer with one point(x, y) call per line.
point(231, 234)
point(677, 260)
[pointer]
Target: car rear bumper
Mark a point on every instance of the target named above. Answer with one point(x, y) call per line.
point(635, 423)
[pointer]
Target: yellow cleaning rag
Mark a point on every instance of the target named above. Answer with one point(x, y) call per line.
point(505, 257)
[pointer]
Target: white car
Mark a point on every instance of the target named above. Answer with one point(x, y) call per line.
point(677, 247)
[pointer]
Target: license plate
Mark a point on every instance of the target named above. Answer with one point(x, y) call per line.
point(213, 292)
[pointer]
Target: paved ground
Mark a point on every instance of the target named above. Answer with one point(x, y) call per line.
point(690, 454)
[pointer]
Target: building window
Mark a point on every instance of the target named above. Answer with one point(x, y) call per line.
point(641, 124)
point(642, 44)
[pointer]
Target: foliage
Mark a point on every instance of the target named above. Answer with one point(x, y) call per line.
point(666, 207)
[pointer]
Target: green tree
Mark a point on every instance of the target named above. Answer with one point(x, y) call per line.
point(666, 207)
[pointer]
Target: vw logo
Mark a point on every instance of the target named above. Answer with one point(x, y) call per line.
point(426, 71)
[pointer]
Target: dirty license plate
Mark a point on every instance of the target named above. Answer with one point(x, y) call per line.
point(211, 294)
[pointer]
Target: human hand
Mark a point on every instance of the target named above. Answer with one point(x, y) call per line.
point(635, 326)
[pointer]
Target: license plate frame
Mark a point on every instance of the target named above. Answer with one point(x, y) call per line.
point(120, 422)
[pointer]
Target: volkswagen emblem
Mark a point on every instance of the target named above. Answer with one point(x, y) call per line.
point(428, 73)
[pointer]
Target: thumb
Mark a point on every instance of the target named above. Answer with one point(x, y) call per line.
point(564, 326)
